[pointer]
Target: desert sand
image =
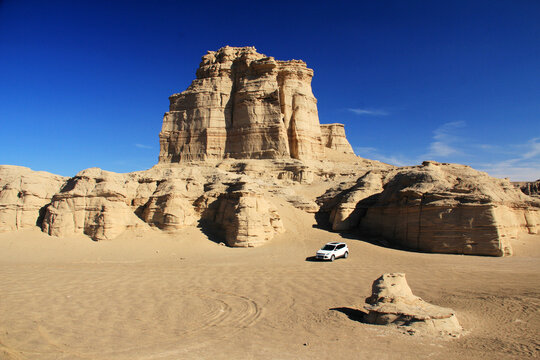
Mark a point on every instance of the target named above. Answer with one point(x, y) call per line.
point(179, 295)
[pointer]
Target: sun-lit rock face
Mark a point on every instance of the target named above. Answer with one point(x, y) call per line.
point(94, 202)
point(393, 303)
point(243, 105)
point(237, 201)
point(255, 120)
point(445, 208)
point(241, 215)
point(333, 137)
point(24, 194)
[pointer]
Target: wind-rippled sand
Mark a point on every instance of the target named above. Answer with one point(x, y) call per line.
point(182, 296)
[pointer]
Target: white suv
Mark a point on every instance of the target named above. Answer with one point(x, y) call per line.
point(332, 251)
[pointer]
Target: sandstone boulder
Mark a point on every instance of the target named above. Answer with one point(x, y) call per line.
point(242, 216)
point(393, 303)
point(95, 203)
point(170, 206)
point(24, 194)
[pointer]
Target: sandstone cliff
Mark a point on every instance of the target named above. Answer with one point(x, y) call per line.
point(242, 214)
point(246, 105)
point(254, 120)
point(95, 203)
point(436, 207)
point(24, 194)
point(231, 199)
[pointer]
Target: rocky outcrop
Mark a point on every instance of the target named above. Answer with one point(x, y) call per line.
point(393, 303)
point(333, 137)
point(170, 206)
point(95, 203)
point(255, 120)
point(102, 205)
point(435, 207)
point(24, 194)
point(347, 213)
point(241, 215)
point(530, 188)
point(244, 105)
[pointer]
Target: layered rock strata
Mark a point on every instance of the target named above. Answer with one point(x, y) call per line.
point(24, 194)
point(255, 119)
point(435, 207)
point(95, 203)
point(246, 105)
point(242, 215)
point(170, 205)
point(333, 137)
point(231, 200)
point(393, 303)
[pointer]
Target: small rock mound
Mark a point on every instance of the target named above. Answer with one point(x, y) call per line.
point(392, 302)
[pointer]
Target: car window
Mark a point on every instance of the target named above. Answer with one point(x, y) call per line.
point(329, 247)
point(341, 246)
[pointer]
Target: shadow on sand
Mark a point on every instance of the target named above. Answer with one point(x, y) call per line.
point(353, 314)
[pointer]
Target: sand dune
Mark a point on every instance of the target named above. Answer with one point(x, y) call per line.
point(181, 296)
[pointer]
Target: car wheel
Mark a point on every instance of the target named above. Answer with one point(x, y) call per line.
point(346, 255)
point(332, 258)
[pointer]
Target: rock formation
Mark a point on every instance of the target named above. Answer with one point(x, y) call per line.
point(245, 133)
point(392, 302)
point(244, 216)
point(346, 214)
point(24, 194)
point(333, 137)
point(435, 207)
point(95, 203)
point(530, 188)
point(245, 105)
point(102, 205)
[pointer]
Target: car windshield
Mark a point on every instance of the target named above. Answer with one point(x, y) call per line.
point(329, 247)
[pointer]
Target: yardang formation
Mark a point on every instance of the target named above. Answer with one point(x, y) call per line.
point(244, 140)
point(245, 105)
point(393, 303)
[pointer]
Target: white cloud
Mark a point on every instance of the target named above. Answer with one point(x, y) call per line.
point(397, 160)
point(534, 148)
point(519, 162)
point(141, 146)
point(445, 131)
point(373, 154)
point(515, 173)
point(370, 112)
point(524, 166)
point(439, 148)
point(445, 140)
point(364, 150)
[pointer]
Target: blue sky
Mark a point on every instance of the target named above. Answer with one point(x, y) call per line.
point(86, 83)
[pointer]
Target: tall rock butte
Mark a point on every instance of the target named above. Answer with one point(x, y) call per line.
point(246, 105)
